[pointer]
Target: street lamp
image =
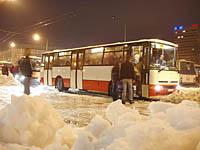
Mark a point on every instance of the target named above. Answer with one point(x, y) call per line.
point(12, 45)
point(37, 37)
point(125, 27)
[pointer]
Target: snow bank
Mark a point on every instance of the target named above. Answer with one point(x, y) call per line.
point(8, 80)
point(183, 94)
point(169, 126)
point(29, 123)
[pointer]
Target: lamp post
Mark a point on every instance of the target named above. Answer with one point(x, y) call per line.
point(124, 26)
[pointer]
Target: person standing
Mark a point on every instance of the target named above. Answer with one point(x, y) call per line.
point(127, 76)
point(115, 77)
point(5, 70)
point(26, 70)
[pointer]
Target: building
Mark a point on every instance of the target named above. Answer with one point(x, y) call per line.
point(188, 40)
point(14, 54)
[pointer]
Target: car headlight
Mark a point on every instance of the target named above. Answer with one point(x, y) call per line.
point(16, 76)
point(178, 87)
point(158, 88)
point(22, 78)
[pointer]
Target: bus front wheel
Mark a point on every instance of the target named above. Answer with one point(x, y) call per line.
point(59, 84)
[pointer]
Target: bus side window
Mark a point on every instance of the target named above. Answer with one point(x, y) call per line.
point(93, 57)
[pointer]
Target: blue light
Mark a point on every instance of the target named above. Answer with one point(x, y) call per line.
point(180, 28)
point(175, 28)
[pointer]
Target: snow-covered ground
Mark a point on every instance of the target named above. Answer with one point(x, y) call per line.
point(50, 120)
point(31, 123)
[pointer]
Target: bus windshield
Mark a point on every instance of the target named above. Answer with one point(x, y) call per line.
point(163, 58)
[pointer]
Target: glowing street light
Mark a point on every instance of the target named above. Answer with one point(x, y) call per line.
point(36, 37)
point(12, 44)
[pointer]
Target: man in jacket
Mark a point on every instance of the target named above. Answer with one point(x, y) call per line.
point(26, 70)
point(127, 76)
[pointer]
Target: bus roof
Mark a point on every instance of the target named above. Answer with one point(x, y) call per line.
point(5, 62)
point(117, 43)
point(32, 57)
point(184, 60)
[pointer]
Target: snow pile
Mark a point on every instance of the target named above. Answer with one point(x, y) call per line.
point(170, 126)
point(8, 80)
point(29, 123)
point(183, 94)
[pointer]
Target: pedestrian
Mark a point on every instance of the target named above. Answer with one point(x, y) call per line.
point(26, 70)
point(127, 75)
point(5, 70)
point(115, 77)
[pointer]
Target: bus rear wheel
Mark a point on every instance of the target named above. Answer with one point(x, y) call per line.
point(59, 84)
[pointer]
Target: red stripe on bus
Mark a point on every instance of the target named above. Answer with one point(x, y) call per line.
point(166, 90)
point(94, 85)
point(66, 82)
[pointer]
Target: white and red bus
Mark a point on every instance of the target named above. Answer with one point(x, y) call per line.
point(89, 68)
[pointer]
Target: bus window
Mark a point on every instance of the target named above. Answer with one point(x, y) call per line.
point(56, 60)
point(136, 53)
point(93, 56)
point(165, 55)
point(73, 63)
point(80, 60)
point(45, 62)
point(48, 62)
point(113, 54)
point(64, 58)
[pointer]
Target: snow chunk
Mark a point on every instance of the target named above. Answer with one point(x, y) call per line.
point(29, 121)
point(116, 109)
point(97, 125)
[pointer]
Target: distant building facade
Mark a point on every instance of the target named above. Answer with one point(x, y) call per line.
point(188, 40)
point(14, 54)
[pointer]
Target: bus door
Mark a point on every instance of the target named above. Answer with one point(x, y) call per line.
point(48, 70)
point(76, 79)
point(145, 72)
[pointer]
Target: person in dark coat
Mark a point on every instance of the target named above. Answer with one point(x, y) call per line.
point(26, 70)
point(5, 70)
point(115, 77)
point(127, 75)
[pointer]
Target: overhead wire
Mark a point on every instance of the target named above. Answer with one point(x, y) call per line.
point(44, 23)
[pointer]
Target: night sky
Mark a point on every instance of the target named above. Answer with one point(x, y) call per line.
point(89, 22)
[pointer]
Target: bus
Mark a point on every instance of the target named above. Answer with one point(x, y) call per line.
point(187, 73)
point(89, 68)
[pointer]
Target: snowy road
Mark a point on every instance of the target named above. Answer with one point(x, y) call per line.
point(76, 109)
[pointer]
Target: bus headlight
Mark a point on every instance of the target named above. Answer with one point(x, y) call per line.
point(158, 88)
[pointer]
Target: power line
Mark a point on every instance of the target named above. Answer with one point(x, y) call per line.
point(46, 22)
